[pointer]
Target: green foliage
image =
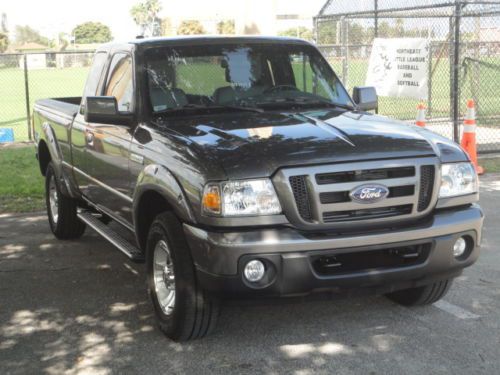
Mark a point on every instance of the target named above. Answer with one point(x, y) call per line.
point(298, 32)
point(145, 15)
point(25, 34)
point(226, 27)
point(92, 32)
point(190, 27)
point(4, 42)
point(327, 32)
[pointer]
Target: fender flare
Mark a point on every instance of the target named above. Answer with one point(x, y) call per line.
point(159, 179)
point(52, 144)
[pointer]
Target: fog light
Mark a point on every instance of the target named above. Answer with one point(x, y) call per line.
point(254, 271)
point(459, 247)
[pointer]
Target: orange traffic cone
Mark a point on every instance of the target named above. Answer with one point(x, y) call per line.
point(469, 135)
point(420, 115)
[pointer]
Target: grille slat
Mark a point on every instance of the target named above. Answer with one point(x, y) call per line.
point(364, 175)
point(365, 214)
point(426, 187)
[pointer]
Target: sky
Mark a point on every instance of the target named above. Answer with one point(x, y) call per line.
point(50, 17)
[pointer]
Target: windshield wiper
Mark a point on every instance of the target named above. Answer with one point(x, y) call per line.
point(301, 100)
point(208, 108)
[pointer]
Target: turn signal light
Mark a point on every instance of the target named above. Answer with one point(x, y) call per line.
point(211, 199)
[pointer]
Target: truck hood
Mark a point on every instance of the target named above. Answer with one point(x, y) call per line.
point(249, 145)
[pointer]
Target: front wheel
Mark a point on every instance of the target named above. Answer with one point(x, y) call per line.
point(184, 311)
point(424, 295)
point(61, 210)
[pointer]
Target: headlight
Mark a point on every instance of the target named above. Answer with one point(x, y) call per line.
point(457, 179)
point(240, 198)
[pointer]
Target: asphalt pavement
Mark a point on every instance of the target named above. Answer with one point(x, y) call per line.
point(80, 307)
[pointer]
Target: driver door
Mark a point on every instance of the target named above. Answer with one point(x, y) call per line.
point(108, 146)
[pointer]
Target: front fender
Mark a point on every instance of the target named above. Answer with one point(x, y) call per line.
point(159, 179)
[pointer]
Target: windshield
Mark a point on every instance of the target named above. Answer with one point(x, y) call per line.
point(241, 75)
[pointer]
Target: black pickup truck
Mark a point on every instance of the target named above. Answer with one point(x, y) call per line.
point(241, 168)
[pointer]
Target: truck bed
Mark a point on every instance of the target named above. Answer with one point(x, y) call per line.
point(61, 106)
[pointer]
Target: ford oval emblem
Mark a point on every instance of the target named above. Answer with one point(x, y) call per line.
point(370, 193)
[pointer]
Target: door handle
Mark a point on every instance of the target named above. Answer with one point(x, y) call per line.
point(89, 138)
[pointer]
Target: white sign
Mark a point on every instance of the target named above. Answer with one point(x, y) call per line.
point(398, 67)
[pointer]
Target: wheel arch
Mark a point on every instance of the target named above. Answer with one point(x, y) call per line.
point(157, 191)
point(44, 156)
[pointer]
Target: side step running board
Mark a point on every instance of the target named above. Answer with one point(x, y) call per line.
point(121, 244)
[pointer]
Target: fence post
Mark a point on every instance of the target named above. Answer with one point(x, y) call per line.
point(343, 33)
point(27, 95)
point(429, 83)
point(456, 70)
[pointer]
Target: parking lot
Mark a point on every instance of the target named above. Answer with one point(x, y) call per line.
point(81, 307)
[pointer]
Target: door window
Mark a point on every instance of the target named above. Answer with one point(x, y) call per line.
point(94, 76)
point(120, 81)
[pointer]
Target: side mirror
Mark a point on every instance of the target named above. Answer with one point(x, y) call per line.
point(104, 110)
point(365, 97)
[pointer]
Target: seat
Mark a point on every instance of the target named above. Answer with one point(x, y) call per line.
point(162, 98)
point(224, 95)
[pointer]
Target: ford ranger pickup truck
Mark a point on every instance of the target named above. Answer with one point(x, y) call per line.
point(241, 168)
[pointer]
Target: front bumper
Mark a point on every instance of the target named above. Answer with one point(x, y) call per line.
point(220, 256)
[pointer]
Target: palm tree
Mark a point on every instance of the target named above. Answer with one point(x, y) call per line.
point(145, 15)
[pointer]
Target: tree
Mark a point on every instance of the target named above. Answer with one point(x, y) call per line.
point(92, 32)
point(327, 32)
point(298, 32)
point(4, 42)
point(145, 15)
point(25, 34)
point(190, 27)
point(226, 27)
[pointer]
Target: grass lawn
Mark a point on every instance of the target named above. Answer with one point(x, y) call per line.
point(43, 83)
point(21, 184)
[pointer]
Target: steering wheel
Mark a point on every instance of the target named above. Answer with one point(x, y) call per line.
point(279, 88)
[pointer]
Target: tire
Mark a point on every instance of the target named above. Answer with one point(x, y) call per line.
point(61, 209)
point(194, 312)
point(424, 295)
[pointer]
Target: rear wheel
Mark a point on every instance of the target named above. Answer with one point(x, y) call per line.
point(61, 209)
point(424, 295)
point(184, 311)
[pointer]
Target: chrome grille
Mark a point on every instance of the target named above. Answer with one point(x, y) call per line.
point(319, 196)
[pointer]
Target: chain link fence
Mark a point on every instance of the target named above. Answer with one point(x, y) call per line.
point(27, 77)
point(463, 59)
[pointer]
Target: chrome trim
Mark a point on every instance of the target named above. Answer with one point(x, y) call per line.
point(103, 185)
point(287, 199)
point(457, 201)
point(121, 244)
point(107, 212)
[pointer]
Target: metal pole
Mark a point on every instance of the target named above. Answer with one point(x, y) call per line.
point(376, 18)
point(343, 24)
point(429, 83)
point(27, 94)
point(456, 70)
point(315, 34)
